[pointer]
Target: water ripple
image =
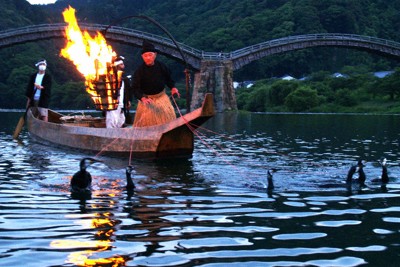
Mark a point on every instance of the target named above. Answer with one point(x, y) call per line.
point(337, 223)
point(299, 236)
point(210, 210)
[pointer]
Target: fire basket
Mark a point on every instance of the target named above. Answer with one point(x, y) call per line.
point(104, 89)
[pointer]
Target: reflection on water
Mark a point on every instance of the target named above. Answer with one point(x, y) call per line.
point(213, 209)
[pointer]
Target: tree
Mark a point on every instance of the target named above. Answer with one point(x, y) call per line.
point(71, 95)
point(390, 85)
point(257, 100)
point(345, 97)
point(16, 85)
point(280, 90)
point(302, 99)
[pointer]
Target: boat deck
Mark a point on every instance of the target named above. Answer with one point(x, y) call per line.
point(77, 120)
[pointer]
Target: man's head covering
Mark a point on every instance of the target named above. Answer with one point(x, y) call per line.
point(42, 61)
point(148, 47)
point(119, 60)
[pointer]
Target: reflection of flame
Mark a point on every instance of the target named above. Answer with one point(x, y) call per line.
point(92, 57)
point(81, 258)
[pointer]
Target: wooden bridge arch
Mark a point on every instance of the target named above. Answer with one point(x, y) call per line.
point(214, 70)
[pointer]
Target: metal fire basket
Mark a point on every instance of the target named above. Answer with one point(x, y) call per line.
point(106, 90)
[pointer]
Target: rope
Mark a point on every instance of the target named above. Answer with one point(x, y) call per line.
point(198, 134)
point(195, 129)
point(201, 136)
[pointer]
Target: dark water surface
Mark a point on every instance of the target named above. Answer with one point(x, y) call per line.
point(212, 209)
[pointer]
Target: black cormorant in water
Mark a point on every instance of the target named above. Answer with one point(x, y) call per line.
point(130, 186)
point(384, 179)
point(82, 180)
point(270, 180)
point(350, 173)
point(384, 176)
point(361, 174)
point(359, 169)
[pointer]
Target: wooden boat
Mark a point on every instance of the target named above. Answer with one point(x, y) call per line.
point(173, 139)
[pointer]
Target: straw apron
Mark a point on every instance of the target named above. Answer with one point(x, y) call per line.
point(159, 111)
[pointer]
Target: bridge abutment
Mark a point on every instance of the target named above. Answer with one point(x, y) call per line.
point(215, 77)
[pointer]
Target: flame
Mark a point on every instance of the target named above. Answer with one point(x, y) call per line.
point(92, 57)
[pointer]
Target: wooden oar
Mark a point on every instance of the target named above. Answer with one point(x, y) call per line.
point(21, 121)
point(20, 125)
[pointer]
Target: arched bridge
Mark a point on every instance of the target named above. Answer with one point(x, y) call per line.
point(194, 57)
point(213, 70)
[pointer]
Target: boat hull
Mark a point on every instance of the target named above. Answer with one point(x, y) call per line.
point(173, 139)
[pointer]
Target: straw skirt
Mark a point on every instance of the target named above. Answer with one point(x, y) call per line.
point(159, 111)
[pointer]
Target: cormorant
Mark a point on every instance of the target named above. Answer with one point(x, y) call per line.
point(359, 169)
point(384, 176)
point(82, 180)
point(270, 180)
point(130, 186)
point(350, 173)
point(361, 174)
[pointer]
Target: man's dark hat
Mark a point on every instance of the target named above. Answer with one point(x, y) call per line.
point(148, 47)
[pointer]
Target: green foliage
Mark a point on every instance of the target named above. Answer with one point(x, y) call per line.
point(71, 95)
point(257, 100)
point(390, 85)
point(280, 90)
point(243, 97)
point(362, 93)
point(302, 99)
point(15, 87)
point(344, 97)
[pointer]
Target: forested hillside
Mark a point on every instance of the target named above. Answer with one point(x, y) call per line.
point(209, 25)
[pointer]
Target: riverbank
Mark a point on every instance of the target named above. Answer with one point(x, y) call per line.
point(363, 93)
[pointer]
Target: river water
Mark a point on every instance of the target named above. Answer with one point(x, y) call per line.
point(213, 209)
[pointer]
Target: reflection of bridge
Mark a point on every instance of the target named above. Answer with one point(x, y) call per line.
point(213, 69)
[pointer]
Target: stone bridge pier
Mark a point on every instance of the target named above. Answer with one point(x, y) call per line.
point(215, 77)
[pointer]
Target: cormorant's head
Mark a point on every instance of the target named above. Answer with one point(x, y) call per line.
point(383, 161)
point(85, 162)
point(130, 186)
point(360, 163)
point(129, 169)
point(271, 171)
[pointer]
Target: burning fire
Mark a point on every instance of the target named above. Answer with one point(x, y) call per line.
point(93, 58)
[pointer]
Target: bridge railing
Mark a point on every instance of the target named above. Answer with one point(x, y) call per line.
point(310, 37)
point(154, 37)
point(30, 29)
point(200, 54)
point(99, 28)
point(118, 30)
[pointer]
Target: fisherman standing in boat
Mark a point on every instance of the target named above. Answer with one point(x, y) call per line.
point(116, 118)
point(149, 81)
point(38, 90)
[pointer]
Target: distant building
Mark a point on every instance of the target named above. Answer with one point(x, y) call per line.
point(246, 84)
point(249, 85)
point(287, 78)
point(339, 75)
point(383, 74)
